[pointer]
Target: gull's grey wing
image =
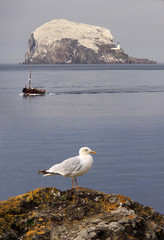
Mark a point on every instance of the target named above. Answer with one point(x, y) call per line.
point(67, 167)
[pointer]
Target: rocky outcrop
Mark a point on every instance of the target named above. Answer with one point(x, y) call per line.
point(79, 214)
point(62, 41)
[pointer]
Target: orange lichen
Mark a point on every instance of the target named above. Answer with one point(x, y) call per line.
point(131, 216)
point(33, 214)
point(131, 237)
point(14, 211)
point(40, 227)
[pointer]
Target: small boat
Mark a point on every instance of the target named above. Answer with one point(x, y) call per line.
point(31, 90)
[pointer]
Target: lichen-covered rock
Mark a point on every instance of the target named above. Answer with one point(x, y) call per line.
point(79, 214)
point(62, 41)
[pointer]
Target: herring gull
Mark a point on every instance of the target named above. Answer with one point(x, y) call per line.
point(72, 167)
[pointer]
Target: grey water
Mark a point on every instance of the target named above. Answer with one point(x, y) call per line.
point(116, 110)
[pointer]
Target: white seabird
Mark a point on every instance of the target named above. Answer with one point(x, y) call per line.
point(72, 167)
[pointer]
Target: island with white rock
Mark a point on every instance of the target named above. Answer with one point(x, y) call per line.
point(61, 41)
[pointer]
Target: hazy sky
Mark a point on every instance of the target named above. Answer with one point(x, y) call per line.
point(137, 24)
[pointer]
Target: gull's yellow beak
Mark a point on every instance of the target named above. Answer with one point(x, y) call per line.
point(93, 152)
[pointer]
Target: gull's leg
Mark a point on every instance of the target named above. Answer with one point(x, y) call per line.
point(76, 183)
point(73, 183)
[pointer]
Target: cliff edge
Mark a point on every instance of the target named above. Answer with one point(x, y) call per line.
point(62, 41)
point(79, 214)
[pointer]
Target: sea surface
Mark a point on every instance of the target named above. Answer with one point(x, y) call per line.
point(116, 110)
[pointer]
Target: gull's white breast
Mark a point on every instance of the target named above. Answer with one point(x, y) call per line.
point(86, 163)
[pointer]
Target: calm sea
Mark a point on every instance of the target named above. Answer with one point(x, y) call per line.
point(116, 110)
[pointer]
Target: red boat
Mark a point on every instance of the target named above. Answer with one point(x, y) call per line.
point(31, 90)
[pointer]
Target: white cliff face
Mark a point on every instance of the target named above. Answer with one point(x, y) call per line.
point(62, 41)
point(87, 35)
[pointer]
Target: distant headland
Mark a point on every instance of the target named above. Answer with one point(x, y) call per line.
point(61, 41)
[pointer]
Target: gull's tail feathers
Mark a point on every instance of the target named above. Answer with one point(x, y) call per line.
point(42, 172)
point(47, 173)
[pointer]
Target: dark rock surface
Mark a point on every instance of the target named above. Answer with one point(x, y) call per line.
point(79, 214)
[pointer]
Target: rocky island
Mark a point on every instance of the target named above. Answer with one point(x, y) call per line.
point(77, 214)
point(62, 41)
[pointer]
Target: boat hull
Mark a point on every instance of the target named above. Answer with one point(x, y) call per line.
point(33, 91)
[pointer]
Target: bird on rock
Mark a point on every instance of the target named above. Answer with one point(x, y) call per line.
point(72, 167)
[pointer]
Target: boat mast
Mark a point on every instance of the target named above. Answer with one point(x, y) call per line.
point(30, 80)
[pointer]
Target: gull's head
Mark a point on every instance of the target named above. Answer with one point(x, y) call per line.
point(86, 151)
